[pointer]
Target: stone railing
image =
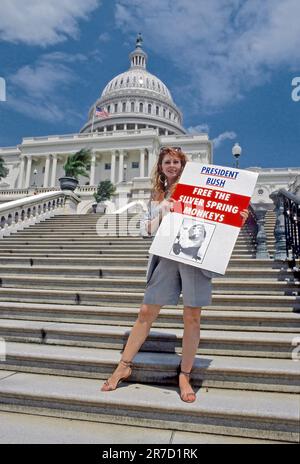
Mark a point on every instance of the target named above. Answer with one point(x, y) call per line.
point(18, 214)
point(11, 194)
point(287, 227)
point(85, 135)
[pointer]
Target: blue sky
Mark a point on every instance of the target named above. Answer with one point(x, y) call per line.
point(229, 65)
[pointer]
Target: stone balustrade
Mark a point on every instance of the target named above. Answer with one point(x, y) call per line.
point(18, 214)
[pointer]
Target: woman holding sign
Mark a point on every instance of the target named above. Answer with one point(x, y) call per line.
point(166, 279)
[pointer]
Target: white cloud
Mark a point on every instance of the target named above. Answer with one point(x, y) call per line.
point(217, 141)
point(200, 128)
point(39, 90)
point(221, 48)
point(42, 22)
point(43, 79)
point(104, 37)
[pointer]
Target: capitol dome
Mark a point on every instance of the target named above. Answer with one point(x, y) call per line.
point(136, 99)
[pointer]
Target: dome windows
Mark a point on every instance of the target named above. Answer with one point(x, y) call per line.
point(124, 107)
point(141, 107)
point(157, 110)
point(116, 107)
point(132, 107)
point(149, 108)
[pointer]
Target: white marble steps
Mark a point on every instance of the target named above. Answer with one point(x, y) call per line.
point(157, 368)
point(273, 416)
point(23, 428)
point(96, 249)
point(112, 271)
point(211, 318)
point(82, 259)
point(101, 298)
point(213, 342)
point(135, 284)
point(43, 252)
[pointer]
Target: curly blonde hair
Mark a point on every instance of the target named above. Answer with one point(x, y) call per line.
point(158, 178)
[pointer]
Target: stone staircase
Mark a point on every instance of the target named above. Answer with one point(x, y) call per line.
point(69, 297)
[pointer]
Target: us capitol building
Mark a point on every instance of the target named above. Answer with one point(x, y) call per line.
point(142, 117)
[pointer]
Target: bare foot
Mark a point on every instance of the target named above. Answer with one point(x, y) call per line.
point(122, 372)
point(187, 394)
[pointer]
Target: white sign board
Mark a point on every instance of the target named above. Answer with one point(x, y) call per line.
point(206, 221)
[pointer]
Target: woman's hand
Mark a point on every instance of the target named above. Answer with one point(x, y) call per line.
point(166, 206)
point(244, 213)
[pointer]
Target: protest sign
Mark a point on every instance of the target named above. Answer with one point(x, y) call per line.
point(206, 221)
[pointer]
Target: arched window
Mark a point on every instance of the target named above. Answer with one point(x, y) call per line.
point(141, 107)
point(121, 83)
point(132, 107)
point(116, 107)
point(116, 82)
point(149, 108)
point(108, 109)
point(164, 112)
point(124, 107)
point(127, 82)
point(157, 110)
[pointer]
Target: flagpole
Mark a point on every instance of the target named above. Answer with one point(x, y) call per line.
point(93, 120)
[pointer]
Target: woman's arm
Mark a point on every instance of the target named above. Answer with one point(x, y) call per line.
point(244, 213)
point(164, 207)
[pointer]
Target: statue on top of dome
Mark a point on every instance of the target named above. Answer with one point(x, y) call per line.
point(139, 40)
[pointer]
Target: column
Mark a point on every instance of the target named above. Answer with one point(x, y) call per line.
point(21, 173)
point(142, 163)
point(121, 166)
point(93, 168)
point(47, 169)
point(28, 171)
point(151, 160)
point(113, 168)
point(54, 166)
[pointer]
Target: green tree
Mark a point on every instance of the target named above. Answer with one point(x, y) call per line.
point(3, 170)
point(105, 190)
point(78, 164)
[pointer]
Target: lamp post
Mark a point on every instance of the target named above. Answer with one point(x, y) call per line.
point(236, 151)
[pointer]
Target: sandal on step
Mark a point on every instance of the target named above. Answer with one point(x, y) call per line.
point(192, 395)
point(108, 387)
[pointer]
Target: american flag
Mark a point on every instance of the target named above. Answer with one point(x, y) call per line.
point(100, 112)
